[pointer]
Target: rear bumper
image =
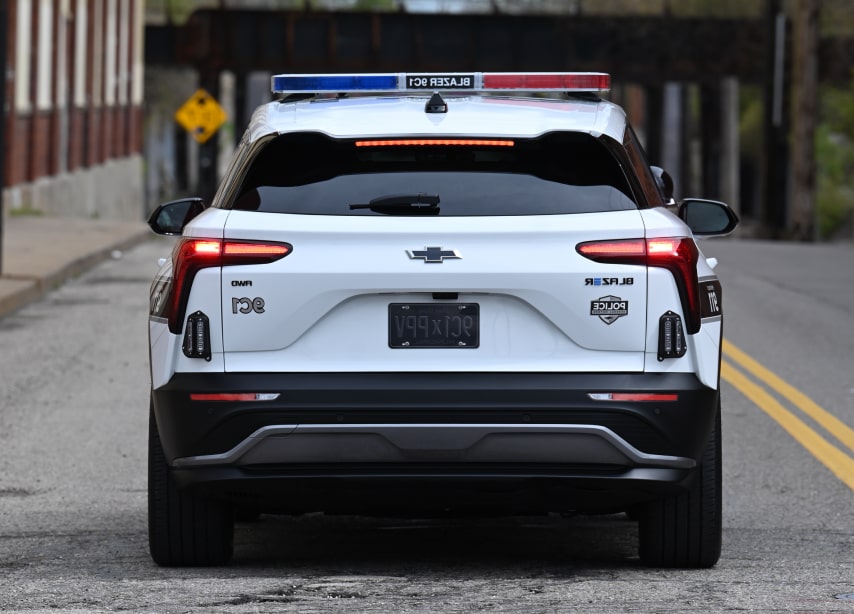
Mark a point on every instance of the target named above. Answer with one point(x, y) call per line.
point(508, 444)
point(539, 434)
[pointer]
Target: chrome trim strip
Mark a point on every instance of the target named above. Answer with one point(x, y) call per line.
point(237, 451)
point(448, 437)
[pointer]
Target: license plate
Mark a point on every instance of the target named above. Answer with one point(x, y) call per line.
point(433, 325)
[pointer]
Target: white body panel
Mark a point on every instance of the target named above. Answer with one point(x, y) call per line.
point(470, 116)
point(326, 304)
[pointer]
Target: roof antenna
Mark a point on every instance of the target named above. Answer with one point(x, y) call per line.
point(436, 104)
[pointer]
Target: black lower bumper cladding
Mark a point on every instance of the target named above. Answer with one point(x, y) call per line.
point(197, 428)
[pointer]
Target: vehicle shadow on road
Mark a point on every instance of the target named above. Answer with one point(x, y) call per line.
point(454, 545)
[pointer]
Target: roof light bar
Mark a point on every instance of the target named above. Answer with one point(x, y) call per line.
point(415, 82)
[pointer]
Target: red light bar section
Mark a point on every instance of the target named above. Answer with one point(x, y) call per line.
point(562, 82)
point(437, 143)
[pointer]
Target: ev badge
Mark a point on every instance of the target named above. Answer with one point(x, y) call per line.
point(433, 254)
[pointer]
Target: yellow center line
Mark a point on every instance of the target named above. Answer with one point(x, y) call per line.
point(831, 423)
point(831, 457)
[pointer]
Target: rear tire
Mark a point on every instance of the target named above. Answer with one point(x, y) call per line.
point(685, 530)
point(183, 530)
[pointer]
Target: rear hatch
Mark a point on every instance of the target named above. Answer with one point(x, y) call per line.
point(434, 257)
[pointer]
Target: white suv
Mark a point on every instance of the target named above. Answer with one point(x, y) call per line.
point(430, 294)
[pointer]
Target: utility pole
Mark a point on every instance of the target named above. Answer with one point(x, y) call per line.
point(4, 42)
point(776, 130)
point(803, 222)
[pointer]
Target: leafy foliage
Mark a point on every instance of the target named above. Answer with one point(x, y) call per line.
point(835, 160)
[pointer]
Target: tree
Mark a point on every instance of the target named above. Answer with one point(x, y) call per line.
point(835, 161)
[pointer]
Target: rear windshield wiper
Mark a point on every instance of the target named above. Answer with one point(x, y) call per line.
point(403, 204)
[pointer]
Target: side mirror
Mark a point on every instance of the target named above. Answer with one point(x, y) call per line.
point(664, 181)
point(707, 217)
point(170, 218)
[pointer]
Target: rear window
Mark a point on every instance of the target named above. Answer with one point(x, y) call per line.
point(559, 173)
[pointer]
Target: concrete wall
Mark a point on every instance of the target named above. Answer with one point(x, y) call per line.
point(112, 190)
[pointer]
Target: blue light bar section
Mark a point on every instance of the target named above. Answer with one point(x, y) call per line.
point(285, 84)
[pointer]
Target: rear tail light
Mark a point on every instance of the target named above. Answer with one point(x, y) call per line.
point(678, 255)
point(192, 255)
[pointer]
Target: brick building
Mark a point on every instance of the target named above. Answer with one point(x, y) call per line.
point(74, 93)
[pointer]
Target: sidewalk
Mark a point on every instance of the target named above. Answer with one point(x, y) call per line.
point(40, 253)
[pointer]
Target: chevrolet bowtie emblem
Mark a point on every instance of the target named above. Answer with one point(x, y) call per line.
point(433, 254)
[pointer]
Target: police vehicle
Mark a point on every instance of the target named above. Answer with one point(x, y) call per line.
point(429, 294)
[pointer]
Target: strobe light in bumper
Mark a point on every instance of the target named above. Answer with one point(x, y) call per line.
point(197, 337)
point(671, 336)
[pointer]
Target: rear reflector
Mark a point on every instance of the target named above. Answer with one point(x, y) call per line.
point(633, 396)
point(234, 396)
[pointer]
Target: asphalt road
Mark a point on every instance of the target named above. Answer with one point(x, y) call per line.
point(73, 416)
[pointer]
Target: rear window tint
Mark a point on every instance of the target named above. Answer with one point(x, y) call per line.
point(560, 173)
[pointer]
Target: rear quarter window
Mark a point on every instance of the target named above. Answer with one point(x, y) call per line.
point(559, 173)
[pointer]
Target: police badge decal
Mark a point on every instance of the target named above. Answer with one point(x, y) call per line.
point(609, 308)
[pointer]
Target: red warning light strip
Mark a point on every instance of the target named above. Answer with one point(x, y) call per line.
point(437, 143)
point(547, 81)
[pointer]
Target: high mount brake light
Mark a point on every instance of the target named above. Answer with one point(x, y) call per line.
point(437, 143)
point(448, 82)
point(678, 255)
point(192, 255)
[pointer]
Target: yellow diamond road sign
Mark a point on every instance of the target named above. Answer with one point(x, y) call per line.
point(201, 116)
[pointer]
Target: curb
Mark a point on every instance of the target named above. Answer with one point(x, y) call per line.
point(32, 288)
